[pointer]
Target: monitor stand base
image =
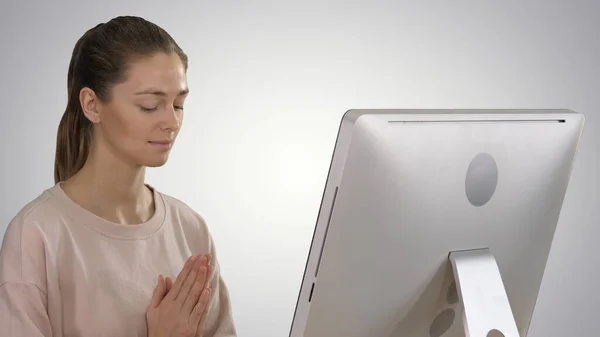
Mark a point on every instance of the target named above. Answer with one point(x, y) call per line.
point(487, 311)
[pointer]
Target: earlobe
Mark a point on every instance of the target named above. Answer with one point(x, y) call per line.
point(89, 105)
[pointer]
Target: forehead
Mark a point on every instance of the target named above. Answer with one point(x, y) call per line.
point(164, 72)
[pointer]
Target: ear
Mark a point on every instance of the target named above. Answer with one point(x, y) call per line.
point(90, 105)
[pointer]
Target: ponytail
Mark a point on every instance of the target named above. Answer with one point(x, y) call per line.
point(74, 134)
point(72, 141)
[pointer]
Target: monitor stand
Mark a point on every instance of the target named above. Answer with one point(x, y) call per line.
point(487, 311)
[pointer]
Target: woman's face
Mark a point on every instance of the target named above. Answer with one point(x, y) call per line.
point(140, 122)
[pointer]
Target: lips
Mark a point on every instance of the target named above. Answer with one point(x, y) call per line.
point(162, 145)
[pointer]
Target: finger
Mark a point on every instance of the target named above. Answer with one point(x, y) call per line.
point(211, 268)
point(188, 283)
point(159, 292)
point(196, 291)
point(203, 277)
point(169, 283)
point(198, 316)
point(187, 268)
point(209, 273)
point(206, 258)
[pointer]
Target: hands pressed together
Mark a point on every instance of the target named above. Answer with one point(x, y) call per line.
point(178, 309)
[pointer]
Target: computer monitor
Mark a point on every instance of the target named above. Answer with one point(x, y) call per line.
point(436, 223)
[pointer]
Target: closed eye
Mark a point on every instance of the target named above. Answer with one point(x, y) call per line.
point(149, 109)
point(145, 109)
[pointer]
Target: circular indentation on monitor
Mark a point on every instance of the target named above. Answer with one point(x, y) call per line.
point(495, 333)
point(452, 294)
point(481, 179)
point(442, 323)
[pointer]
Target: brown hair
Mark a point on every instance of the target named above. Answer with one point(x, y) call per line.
point(99, 61)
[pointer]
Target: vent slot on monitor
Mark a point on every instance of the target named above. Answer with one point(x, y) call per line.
point(312, 289)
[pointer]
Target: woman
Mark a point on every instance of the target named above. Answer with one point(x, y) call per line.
point(87, 256)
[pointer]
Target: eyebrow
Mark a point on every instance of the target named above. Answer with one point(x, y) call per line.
point(160, 92)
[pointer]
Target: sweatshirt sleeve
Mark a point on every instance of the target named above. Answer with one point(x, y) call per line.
point(219, 322)
point(23, 311)
point(23, 300)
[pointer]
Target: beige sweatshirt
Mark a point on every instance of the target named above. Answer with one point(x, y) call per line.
point(65, 272)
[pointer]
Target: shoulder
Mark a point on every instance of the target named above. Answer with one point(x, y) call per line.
point(188, 220)
point(33, 218)
point(182, 210)
point(40, 224)
point(26, 238)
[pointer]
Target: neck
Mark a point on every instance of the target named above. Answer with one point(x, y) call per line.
point(112, 189)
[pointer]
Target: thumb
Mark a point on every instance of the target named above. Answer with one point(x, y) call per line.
point(159, 292)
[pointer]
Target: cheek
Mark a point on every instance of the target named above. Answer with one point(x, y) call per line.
point(127, 126)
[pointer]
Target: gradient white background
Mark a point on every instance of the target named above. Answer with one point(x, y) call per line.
point(270, 82)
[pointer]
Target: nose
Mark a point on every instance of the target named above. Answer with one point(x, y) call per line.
point(171, 120)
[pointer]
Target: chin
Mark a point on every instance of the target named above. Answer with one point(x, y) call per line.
point(155, 162)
